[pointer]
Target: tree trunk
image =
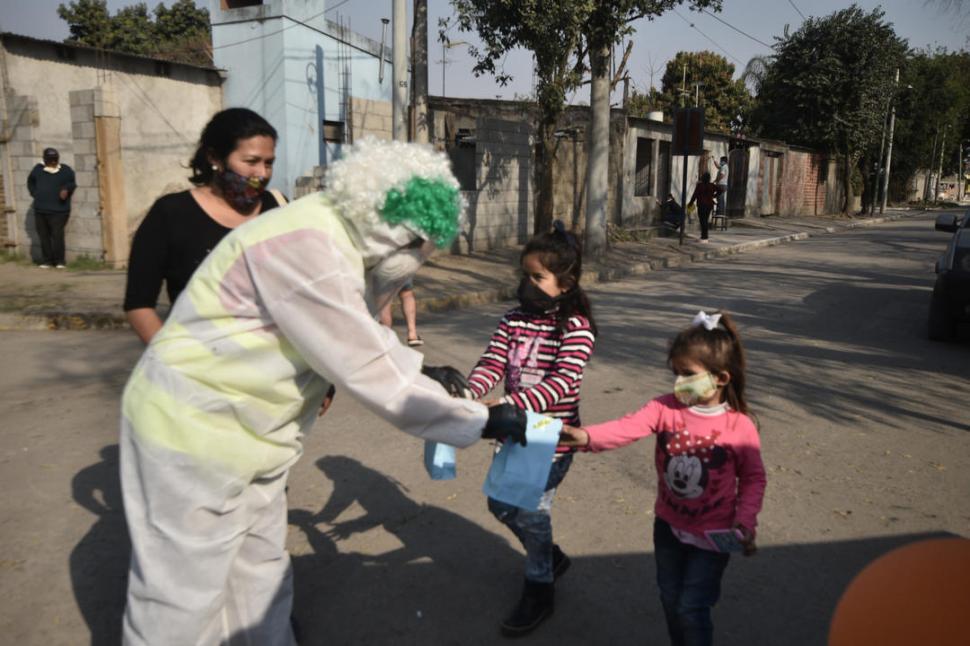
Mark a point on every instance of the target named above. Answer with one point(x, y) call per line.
point(847, 183)
point(419, 67)
point(542, 221)
point(598, 153)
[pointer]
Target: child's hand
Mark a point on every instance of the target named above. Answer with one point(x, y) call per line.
point(327, 401)
point(747, 539)
point(573, 437)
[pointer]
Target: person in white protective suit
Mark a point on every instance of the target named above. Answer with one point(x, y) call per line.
point(214, 411)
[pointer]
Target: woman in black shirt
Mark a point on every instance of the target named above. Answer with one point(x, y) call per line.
point(230, 170)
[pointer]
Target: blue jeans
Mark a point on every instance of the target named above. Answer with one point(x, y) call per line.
point(534, 528)
point(689, 579)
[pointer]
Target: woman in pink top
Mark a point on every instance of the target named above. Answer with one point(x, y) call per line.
point(711, 481)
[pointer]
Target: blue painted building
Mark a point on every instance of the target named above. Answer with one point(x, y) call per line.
point(305, 73)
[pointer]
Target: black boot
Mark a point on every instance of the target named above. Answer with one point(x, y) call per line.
point(534, 607)
point(560, 562)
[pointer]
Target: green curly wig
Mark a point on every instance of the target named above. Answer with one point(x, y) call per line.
point(429, 206)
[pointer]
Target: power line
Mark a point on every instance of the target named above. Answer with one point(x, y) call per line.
point(726, 52)
point(795, 7)
point(295, 22)
point(719, 19)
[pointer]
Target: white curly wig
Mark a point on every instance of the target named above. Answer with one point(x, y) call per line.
point(371, 174)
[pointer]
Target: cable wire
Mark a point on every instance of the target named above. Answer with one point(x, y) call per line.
point(693, 26)
point(795, 7)
point(719, 19)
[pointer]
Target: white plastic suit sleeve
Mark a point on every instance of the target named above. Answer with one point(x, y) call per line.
point(318, 304)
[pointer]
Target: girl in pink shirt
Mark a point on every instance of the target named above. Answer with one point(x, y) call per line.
point(710, 478)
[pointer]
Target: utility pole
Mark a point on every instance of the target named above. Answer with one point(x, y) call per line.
point(419, 67)
point(959, 172)
point(878, 165)
point(929, 167)
point(399, 121)
point(939, 172)
point(889, 149)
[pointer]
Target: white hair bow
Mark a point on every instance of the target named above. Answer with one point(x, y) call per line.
point(709, 321)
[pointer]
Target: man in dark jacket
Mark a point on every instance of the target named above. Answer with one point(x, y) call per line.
point(51, 184)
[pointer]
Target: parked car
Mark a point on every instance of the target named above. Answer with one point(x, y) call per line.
point(950, 304)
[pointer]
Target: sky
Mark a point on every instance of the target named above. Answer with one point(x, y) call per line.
point(921, 22)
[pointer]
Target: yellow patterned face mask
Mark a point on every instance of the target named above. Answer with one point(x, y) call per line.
point(694, 388)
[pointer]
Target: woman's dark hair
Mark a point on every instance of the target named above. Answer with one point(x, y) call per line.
point(718, 350)
point(221, 136)
point(705, 178)
point(560, 252)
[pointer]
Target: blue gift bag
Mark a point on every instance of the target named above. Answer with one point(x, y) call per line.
point(519, 474)
point(439, 460)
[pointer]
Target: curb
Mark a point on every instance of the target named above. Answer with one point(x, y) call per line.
point(74, 321)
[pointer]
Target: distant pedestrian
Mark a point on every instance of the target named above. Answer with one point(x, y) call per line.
point(230, 169)
point(540, 350)
point(710, 476)
point(51, 184)
point(721, 179)
point(705, 194)
point(671, 214)
point(409, 308)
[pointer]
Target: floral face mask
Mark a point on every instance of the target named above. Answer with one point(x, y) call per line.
point(242, 193)
point(695, 388)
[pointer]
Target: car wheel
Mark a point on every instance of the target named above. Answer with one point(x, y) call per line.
point(940, 325)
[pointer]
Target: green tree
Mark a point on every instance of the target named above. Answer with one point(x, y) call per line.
point(553, 32)
point(828, 83)
point(934, 93)
point(559, 33)
point(89, 22)
point(723, 97)
point(179, 33)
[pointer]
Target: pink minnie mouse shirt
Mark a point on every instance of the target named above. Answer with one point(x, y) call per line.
point(709, 469)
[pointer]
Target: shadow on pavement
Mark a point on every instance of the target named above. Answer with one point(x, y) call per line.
point(429, 576)
point(99, 562)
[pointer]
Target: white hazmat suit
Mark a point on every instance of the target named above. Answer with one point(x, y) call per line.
point(214, 412)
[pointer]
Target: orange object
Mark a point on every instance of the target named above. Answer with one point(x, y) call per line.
point(916, 594)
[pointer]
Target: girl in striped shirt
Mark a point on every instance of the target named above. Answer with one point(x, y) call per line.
point(540, 349)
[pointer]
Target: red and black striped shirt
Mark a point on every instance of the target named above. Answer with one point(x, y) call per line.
point(542, 367)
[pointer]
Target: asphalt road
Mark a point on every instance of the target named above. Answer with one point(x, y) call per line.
point(863, 422)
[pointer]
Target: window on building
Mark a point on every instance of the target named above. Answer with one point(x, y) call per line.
point(236, 4)
point(333, 132)
point(644, 164)
point(462, 155)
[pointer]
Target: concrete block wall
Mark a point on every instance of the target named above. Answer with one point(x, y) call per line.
point(84, 234)
point(24, 155)
point(501, 210)
point(370, 118)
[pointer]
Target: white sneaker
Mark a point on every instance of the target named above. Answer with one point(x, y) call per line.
point(44, 266)
point(61, 267)
point(705, 241)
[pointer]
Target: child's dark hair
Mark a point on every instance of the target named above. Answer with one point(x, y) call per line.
point(221, 136)
point(560, 252)
point(718, 350)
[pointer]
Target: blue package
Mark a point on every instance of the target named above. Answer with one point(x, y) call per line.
point(519, 474)
point(439, 460)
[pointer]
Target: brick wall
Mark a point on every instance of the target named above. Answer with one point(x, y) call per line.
point(806, 187)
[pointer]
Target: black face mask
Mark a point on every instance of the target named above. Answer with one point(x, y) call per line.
point(533, 300)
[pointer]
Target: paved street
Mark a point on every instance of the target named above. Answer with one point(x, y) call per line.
point(863, 421)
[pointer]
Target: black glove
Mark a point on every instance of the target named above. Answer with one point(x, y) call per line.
point(452, 380)
point(506, 420)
